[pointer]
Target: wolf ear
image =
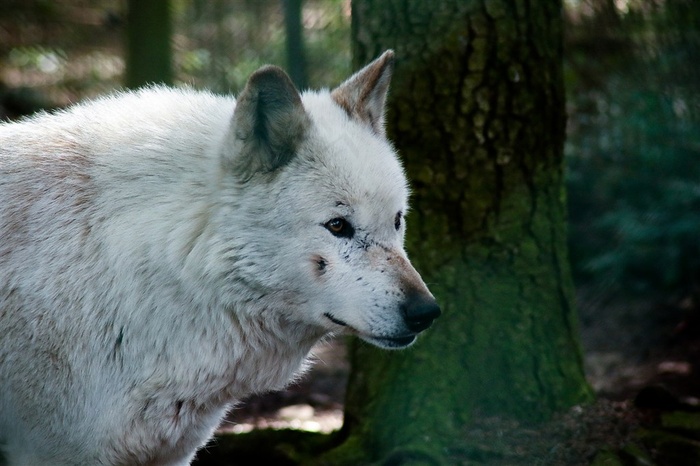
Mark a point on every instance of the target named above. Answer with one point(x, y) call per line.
point(269, 123)
point(363, 95)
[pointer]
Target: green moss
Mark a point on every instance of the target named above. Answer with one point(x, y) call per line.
point(607, 458)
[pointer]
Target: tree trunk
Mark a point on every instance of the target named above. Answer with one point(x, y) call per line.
point(149, 53)
point(296, 59)
point(476, 109)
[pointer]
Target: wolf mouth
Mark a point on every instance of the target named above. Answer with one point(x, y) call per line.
point(383, 342)
point(390, 343)
point(335, 320)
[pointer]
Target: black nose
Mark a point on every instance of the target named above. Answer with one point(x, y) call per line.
point(419, 312)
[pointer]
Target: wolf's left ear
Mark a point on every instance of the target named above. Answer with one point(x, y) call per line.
point(269, 123)
point(363, 95)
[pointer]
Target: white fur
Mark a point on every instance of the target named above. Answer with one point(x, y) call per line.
point(144, 289)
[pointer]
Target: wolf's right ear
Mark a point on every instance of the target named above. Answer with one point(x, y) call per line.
point(363, 95)
point(269, 123)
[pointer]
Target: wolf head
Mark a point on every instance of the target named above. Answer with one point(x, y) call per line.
point(317, 211)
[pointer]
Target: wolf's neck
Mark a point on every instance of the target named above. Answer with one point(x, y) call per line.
point(271, 351)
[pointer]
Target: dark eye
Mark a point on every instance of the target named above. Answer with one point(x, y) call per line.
point(340, 227)
point(397, 220)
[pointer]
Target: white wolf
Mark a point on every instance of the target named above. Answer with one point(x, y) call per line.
point(164, 253)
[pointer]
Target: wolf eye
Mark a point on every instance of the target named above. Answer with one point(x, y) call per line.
point(397, 220)
point(340, 227)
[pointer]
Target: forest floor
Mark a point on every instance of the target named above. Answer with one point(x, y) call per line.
point(642, 359)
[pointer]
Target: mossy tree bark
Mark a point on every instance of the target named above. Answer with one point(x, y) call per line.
point(477, 111)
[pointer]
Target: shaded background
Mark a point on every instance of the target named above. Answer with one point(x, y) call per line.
point(632, 76)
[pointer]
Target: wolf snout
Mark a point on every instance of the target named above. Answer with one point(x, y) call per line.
point(419, 311)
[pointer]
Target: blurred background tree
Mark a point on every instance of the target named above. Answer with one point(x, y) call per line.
point(296, 57)
point(148, 43)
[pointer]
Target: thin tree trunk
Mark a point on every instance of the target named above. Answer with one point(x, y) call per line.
point(149, 53)
point(296, 58)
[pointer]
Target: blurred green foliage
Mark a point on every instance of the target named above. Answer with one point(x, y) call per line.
point(70, 50)
point(633, 150)
point(220, 42)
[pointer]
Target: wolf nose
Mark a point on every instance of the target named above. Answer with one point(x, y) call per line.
point(419, 312)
